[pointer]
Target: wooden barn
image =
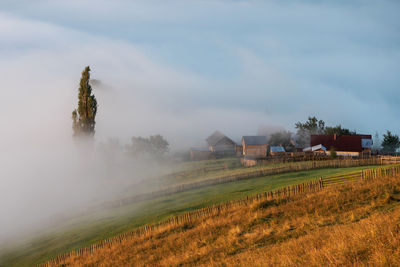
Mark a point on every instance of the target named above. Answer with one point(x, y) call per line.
point(345, 145)
point(255, 146)
point(221, 145)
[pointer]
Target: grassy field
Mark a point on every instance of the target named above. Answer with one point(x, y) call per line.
point(356, 224)
point(89, 229)
point(202, 171)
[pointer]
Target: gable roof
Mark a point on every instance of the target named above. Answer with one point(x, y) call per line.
point(255, 140)
point(216, 137)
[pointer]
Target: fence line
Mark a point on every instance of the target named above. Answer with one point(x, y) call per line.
point(359, 175)
point(257, 172)
point(308, 187)
point(390, 159)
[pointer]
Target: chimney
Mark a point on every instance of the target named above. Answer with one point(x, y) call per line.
point(334, 137)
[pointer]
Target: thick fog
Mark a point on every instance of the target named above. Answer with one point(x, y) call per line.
point(182, 70)
point(45, 175)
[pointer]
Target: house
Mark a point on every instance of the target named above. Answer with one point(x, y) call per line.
point(277, 151)
point(200, 153)
point(345, 145)
point(220, 144)
point(254, 146)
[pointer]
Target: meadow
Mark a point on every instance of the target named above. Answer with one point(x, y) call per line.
point(86, 230)
point(356, 224)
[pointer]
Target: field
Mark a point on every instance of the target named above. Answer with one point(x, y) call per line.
point(356, 224)
point(86, 230)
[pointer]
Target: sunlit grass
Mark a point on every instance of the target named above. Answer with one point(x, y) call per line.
point(92, 228)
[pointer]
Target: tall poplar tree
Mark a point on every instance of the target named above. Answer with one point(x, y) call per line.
point(83, 118)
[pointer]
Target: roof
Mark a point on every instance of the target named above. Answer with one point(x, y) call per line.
point(350, 143)
point(314, 148)
point(277, 149)
point(217, 136)
point(255, 140)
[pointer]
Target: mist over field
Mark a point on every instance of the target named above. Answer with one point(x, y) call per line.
point(181, 69)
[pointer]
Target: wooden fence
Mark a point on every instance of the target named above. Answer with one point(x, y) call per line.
point(360, 175)
point(281, 193)
point(295, 157)
point(246, 174)
point(390, 159)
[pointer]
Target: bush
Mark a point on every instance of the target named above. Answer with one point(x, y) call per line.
point(333, 153)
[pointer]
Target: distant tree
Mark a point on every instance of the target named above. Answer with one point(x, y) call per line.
point(304, 130)
point(391, 142)
point(159, 144)
point(283, 139)
point(83, 118)
point(155, 145)
point(338, 130)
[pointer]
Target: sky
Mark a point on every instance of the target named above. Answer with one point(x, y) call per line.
point(186, 68)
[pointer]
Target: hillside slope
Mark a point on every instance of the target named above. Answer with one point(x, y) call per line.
point(353, 224)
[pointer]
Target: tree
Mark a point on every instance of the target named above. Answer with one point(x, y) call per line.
point(338, 130)
point(159, 144)
point(83, 118)
point(155, 145)
point(391, 142)
point(282, 138)
point(333, 153)
point(311, 126)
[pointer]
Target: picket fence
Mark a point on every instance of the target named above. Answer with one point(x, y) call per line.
point(281, 193)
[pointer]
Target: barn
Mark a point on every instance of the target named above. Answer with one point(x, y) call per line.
point(345, 145)
point(254, 146)
point(221, 145)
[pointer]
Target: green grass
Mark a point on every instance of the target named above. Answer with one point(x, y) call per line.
point(192, 172)
point(92, 228)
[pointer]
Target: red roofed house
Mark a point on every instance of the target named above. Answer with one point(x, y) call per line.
point(345, 145)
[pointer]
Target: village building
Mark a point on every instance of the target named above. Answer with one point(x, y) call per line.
point(277, 151)
point(345, 145)
point(221, 145)
point(255, 146)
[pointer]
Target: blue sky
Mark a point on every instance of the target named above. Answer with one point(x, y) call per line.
point(185, 68)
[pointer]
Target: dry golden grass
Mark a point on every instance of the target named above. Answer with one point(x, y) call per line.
point(352, 225)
